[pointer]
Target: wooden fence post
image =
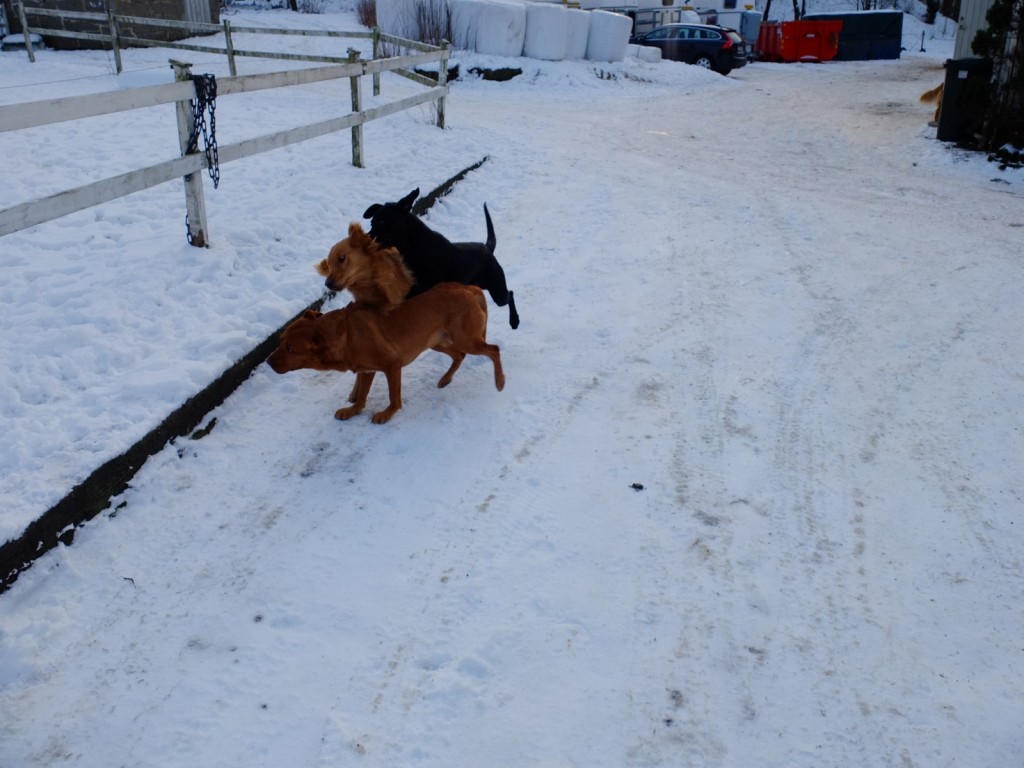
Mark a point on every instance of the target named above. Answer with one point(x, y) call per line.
point(231, 48)
point(376, 55)
point(357, 106)
point(442, 80)
point(115, 35)
point(24, 31)
point(195, 203)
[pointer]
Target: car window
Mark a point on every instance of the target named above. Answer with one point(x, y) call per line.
point(658, 34)
point(710, 34)
point(682, 33)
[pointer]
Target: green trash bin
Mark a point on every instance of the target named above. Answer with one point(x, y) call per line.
point(964, 98)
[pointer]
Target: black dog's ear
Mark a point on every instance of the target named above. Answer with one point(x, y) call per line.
point(372, 211)
point(407, 201)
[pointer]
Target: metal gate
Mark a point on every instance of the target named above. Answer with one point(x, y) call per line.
point(198, 10)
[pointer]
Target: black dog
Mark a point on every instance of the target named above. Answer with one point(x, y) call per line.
point(432, 259)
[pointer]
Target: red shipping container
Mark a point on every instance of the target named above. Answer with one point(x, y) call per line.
point(799, 40)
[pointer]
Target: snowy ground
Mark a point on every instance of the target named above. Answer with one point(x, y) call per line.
point(773, 300)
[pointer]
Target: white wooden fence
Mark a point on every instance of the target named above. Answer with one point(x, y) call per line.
point(116, 39)
point(190, 164)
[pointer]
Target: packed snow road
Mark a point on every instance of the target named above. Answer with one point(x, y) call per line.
point(751, 495)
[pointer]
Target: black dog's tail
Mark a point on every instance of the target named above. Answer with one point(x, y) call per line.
point(491, 244)
point(492, 241)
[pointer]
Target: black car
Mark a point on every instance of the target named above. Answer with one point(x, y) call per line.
point(718, 48)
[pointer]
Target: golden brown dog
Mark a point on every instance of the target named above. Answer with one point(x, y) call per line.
point(449, 318)
point(374, 275)
point(934, 95)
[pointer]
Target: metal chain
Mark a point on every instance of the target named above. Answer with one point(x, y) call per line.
point(205, 101)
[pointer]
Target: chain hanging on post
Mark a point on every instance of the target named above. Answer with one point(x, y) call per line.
point(205, 101)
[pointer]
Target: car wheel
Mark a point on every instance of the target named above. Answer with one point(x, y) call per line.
point(702, 61)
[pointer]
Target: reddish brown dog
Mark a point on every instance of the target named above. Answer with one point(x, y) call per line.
point(449, 318)
point(374, 275)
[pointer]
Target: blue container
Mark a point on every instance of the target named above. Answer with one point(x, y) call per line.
point(866, 35)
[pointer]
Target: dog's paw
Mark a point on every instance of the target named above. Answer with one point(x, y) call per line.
point(347, 413)
point(383, 417)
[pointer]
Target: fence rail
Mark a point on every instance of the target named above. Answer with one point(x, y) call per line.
point(192, 161)
point(116, 40)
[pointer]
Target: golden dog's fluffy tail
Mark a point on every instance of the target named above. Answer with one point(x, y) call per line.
point(933, 95)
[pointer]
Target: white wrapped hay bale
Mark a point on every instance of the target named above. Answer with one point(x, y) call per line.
point(645, 52)
point(609, 36)
point(464, 17)
point(547, 28)
point(501, 28)
point(578, 30)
